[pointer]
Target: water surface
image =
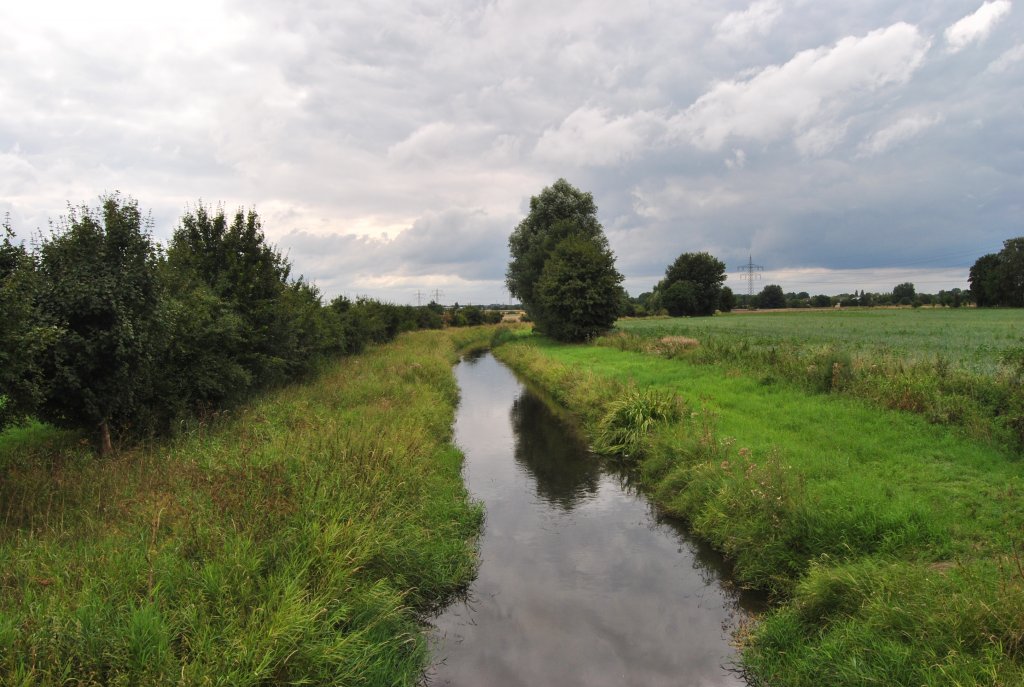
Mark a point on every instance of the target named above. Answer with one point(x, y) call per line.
point(580, 581)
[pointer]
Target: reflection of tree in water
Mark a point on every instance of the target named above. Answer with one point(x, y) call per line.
point(565, 471)
point(473, 357)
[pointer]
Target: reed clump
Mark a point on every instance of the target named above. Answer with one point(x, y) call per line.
point(629, 422)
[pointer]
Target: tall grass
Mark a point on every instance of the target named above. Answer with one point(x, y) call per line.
point(298, 540)
point(890, 544)
point(953, 367)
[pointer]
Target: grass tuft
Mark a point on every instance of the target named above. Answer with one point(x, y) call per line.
point(628, 422)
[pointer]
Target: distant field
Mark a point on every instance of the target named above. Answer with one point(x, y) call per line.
point(967, 337)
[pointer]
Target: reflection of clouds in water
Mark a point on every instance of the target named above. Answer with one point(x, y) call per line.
point(580, 582)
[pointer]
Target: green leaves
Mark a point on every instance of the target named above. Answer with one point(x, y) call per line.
point(692, 285)
point(561, 267)
point(578, 290)
point(100, 291)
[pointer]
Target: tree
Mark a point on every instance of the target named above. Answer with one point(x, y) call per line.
point(821, 301)
point(771, 297)
point(692, 285)
point(238, 266)
point(557, 212)
point(100, 291)
point(998, 278)
point(22, 338)
point(1011, 272)
point(904, 293)
point(726, 300)
point(985, 279)
point(561, 220)
point(578, 290)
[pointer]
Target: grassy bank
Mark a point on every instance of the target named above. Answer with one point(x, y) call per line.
point(963, 367)
point(889, 542)
point(296, 540)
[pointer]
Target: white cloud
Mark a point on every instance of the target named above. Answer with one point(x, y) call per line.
point(976, 26)
point(821, 140)
point(738, 159)
point(589, 136)
point(435, 141)
point(897, 132)
point(783, 100)
point(1007, 59)
point(756, 20)
point(682, 197)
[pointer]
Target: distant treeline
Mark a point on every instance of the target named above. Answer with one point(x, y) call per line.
point(772, 296)
point(104, 329)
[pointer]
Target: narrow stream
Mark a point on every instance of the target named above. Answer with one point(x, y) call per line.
point(580, 581)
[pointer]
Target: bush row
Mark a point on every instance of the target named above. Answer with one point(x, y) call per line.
point(108, 331)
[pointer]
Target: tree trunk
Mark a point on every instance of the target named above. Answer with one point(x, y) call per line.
point(105, 445)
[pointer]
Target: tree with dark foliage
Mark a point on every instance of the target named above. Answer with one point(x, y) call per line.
point(100, 291)
point(561, 214)
point(692, 285)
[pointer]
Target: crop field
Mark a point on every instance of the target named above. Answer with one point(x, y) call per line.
point(971, 338)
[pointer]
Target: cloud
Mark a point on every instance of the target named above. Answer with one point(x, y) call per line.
point(738, 159)
point(822, 139)
point(392, 147)
point(788, 99)
point(899, 131)
point(1007, 60)
point(976, 27)
point(680, 197)
point(450, 249)
point(757, 20)
point(438, 141)
point(589, 136)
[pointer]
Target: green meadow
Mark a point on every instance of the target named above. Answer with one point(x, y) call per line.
point(961, 367)
point(890, 539)
point(298, 539)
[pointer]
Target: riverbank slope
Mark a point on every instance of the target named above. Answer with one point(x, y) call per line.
point(890, 544)
point(299, 538)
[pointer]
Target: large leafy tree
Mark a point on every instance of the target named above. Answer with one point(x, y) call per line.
point(1011, 272)
point(985, 278)
point(233, 262)
point(22, 338)
point(904, 293)
point(692, 285)
point(100, 291)
point(558, 213)
point(998, 278)
point(771, 297)
point(578, 290)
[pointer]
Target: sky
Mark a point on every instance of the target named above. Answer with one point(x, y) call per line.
point(391, 148)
